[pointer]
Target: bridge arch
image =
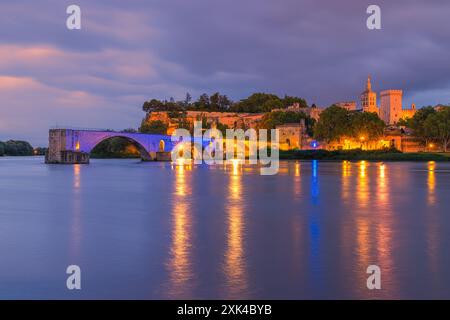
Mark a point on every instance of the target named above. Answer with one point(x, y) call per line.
point(145, 155)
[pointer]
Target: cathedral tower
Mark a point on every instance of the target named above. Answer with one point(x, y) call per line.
point(369, 98)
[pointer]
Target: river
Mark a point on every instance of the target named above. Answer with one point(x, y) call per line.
point(161, 231)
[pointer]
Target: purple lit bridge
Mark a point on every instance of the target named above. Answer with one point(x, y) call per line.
point(74, 145)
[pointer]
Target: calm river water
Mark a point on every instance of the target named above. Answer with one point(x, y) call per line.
point(156, 231)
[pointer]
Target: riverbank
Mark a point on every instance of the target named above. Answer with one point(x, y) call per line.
point(378, 155)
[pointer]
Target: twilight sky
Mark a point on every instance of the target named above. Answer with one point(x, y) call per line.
point(130, 51)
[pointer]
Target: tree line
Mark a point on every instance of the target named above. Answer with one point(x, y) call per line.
point(15, 148)
point(255, 103)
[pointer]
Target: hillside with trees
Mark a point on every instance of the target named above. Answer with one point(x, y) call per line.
point(255, 103)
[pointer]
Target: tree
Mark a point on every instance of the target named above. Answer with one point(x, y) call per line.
point(417, 124)
point(18, 148)
point(152, 105)
point(258, 102)
point(437, 126)
point(334, 123)
point(224, 103)
point(2, 148)
point(366, 125)
point(219, 102)
point(203, 102)
point(187, 100)
point(155, 127)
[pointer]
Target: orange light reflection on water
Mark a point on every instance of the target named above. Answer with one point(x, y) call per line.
point(235, 267)
point(180, 266)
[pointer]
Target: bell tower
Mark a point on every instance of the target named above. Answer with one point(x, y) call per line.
point(369, 98)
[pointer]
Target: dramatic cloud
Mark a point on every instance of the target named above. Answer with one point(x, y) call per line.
point(129, 51)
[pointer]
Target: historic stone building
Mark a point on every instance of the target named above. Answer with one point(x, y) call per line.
point(369, 98)
point(391, 105)
point(291, 135)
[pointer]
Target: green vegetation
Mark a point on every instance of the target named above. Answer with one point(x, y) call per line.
point(115, 148)
point(358, 154)
point(431, 126)
point(154, 127)
point(336, 123)
point(417, 124)
point(256, 103)
point(264, 102)
point(15, 148)
point(438, 127)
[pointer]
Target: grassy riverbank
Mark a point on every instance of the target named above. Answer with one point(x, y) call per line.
point(379, 155)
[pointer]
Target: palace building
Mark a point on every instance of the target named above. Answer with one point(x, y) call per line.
point(391, 108)
point(369, 98)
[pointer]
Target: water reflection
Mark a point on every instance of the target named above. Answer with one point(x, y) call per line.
point(75, 223)
point(297, 180)
point(384, 228)
point(314, 226)
point(315, 189)
point(362, 192)
point(432, 226)
point(259, 242)
point(180, 265)
point(431, 183)
point(76, 176)
point(363, 225)
point(346, 174)
point(235, 264)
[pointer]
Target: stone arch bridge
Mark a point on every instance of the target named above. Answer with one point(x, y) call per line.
point(75, 145)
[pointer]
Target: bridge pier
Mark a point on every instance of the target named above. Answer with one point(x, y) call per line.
point(69, 157)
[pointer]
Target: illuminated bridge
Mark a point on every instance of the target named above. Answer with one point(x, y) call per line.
point(74, 145)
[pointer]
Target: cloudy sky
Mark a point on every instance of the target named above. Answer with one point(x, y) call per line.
point(130, 51)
